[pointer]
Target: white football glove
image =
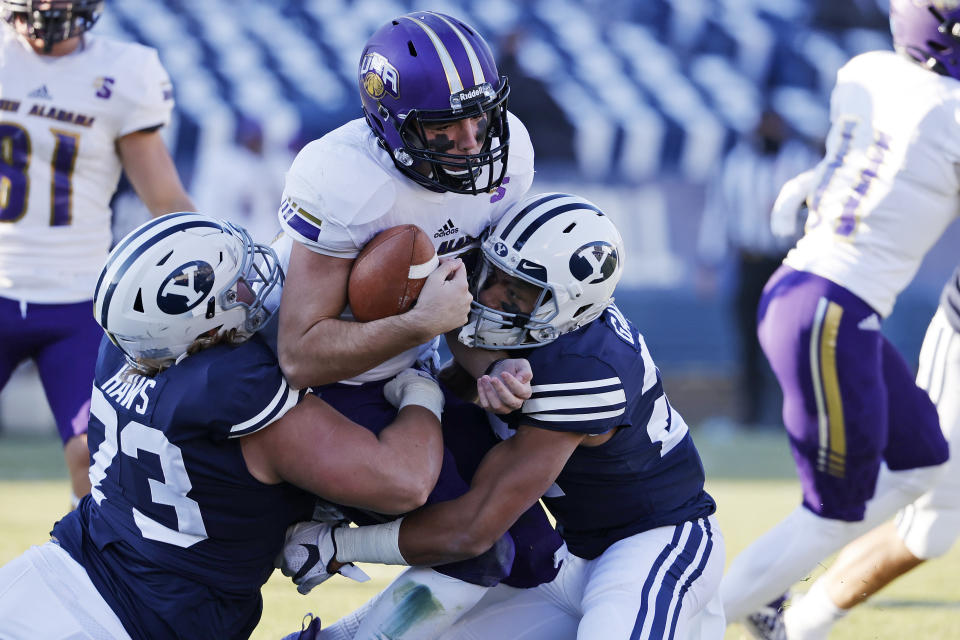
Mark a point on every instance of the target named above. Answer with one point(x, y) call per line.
point(307, 551)
point(413, 386)
point(786, 209)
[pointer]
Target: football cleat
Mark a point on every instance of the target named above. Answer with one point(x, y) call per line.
point(766, 623)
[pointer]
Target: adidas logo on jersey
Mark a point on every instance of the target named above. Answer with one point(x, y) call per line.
point(448, 229)
point(40, 92)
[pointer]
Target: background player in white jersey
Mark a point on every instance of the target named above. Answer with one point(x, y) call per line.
point(866, 439)
point(924, 529)
point(432, 150)
point(203, 454)
point(74, 110)
point(598, 440)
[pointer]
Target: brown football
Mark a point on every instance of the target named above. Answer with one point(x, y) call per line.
point(389, 272)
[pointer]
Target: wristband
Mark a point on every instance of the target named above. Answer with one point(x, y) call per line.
point(379, 543)
point(429, 396)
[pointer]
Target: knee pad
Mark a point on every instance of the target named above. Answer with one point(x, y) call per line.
point(487, 569)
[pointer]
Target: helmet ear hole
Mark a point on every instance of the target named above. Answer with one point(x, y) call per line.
point(138, 302)
point(581, 310)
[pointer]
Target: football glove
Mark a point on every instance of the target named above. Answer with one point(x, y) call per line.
point(307, 551)
point(786, 209)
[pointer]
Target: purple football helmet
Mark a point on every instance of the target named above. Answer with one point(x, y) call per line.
point(52, 21)
point(929, 33)
point(427, 67)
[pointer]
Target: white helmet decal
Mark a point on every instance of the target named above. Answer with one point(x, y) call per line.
point(185, 287)
point(594, 262)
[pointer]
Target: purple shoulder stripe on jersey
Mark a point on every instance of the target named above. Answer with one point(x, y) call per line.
point(304, 228)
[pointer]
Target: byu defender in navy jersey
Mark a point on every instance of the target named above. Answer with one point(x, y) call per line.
point(597, 440)
point(202, 453)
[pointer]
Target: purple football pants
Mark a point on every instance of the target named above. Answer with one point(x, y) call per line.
point(63, 339)
point(849, 399)
point(524, 556)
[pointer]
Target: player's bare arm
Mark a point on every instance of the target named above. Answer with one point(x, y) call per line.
point(317, 448)
point(511, 478)
point(316, 347)
point(152, 173)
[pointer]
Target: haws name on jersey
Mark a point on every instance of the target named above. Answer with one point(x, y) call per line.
point(125, 387)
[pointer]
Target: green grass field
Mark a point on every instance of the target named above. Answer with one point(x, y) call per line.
point(751, 478)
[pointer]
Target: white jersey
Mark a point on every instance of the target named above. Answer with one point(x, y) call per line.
point(888, 185)
point(343, 189)
point(60, 118)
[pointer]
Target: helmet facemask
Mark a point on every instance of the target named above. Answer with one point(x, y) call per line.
point(435, 166)
point(525, 311)
point(51, 21)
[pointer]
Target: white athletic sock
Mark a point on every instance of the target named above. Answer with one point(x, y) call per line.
point(812, 616)
point(780, 557)
point(418, 605)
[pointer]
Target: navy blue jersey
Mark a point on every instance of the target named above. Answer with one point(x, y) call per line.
point(648, 474)
point(176, 534)
point(950, 300)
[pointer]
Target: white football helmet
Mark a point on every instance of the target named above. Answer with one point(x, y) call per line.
point(566, 247)
point(176, 278)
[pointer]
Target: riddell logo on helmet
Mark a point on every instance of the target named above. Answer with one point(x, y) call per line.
point(476, 92)
point(379, 76)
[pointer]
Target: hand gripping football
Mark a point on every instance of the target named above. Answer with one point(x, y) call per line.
point(389, 272)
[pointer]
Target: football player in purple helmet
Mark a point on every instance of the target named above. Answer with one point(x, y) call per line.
point(431, 150)
point(441, 134)
point(48, 22)
point(928, 32)
point(108, 100)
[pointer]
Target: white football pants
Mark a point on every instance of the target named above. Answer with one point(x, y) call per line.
point(661, 583)
point(930, 525)
point(44, 593)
